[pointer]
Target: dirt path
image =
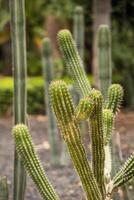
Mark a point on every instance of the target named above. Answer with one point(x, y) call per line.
point(64, 179)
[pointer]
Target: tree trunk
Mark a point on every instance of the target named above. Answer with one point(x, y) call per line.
point(101, 11)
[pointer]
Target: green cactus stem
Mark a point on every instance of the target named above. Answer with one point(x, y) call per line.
point(3, 189)
point(73, 61)
point(26, 151)
point(19, 64)
point(48, 73)
point(125, 174)
point(108, 119)
point(97, 136)
point(104, 58)
point(115, 97)
point(63, 108)
point(78, 29)
point(84, 109)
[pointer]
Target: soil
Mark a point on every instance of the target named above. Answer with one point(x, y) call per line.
point(63, 178)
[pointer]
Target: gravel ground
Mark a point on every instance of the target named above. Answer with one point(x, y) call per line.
point(64, 179)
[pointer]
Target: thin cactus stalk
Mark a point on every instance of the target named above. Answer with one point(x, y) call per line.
point(73, 61)
point(104, 58)
point(48, 76)
point(97, 138)
point(78, 30)
point(64, 110)
point(26, 151)
point(3, 189)
point(18, 36)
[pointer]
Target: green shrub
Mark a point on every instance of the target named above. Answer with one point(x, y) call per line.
point(35, 95)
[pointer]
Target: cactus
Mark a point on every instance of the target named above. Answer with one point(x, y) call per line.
point(18, 36)
point(64, 110)
point(48, 76)
point(73, 61)
point(115, 96)
point(26, 151)
point(97, 181)
point(78, 29)
point(97, 134)
point(3, 189)
point(104, 58)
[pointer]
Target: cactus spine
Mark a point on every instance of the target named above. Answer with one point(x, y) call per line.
point(48, 76)
point(78, 30)
point(26, 151)
point(3, 189)
point(104, 57)
point(18, 37)
point(64, 110)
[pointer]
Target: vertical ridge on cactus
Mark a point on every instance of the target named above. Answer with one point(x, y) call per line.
point(26, 151)
point(115, 97)
point(64, 110)
point(97, 134)
point(104, 57)
point(19, 64)
point(73, 60)
point(48, 76)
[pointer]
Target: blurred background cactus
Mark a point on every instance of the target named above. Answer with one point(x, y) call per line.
point(19, 65)
point(48, 74)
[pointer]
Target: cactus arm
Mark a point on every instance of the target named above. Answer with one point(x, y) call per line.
point(63, 108)
point(73, 61)
point(98, 153)
point(18, 37)
point(3, 189)
point(26, 151)
point(108, 121)
point(84, 109)
point(125, 174)
point(104, 57)
point(78, 29)
point(115, 97)
point(48, 76)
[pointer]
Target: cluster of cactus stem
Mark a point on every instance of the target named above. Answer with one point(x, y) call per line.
point(94, 174)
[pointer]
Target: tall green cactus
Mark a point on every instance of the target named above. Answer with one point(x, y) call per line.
point(64, 110)
point(3, 189)
point(104, 58)
point(27, 153)
point(18, 37)
point(48, 73)
point(97, 182)
point(78, 29)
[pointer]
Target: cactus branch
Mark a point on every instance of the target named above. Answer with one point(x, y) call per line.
point(73, 61)
point(64, 110)
point(125, 174)
point(26, 151)
point(115, 97)
point(98, 153)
